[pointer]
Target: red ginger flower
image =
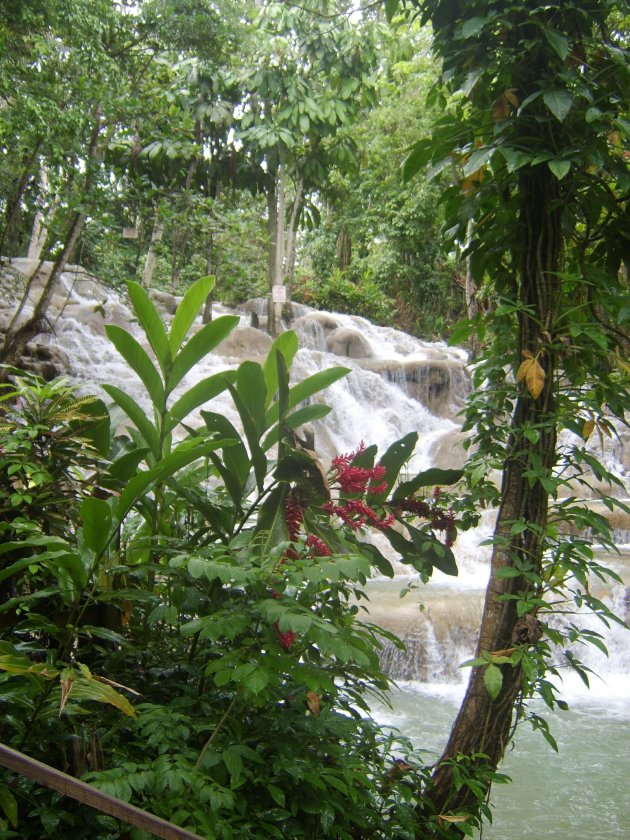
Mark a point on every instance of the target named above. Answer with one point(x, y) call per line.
point(293, 516)
point(317, 546)
point(285, 637)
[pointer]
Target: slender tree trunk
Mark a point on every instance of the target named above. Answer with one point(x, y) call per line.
point(343, 250)
point(484, 725)
point(272, 227)
point(156, 238)
point(18, 337)
point(292, 231)
point(41, 222)
point(12, 211)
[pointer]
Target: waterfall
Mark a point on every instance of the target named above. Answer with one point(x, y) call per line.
point(397, 384)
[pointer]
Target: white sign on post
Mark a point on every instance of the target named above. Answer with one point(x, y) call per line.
point(279, 294)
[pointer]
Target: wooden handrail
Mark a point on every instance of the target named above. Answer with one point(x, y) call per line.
point(46, 775)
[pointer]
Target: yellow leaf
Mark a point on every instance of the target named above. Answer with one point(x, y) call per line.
point(454, 818)
point(527, 354)
point(587, 429)
point(535, 379)
point(67, 681)
point(500, 108)
point(313, 703)
point(512, 98)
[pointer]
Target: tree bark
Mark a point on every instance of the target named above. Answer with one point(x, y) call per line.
point(18, 337)
point(41, 222)
point(484, 725)
point(12, 212)
point(156, 238)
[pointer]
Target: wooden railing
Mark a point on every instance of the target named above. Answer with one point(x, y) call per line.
point(91, 796)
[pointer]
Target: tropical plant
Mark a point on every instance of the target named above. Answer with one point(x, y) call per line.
point(217, 579)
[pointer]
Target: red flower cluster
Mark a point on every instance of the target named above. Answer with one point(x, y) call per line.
point(286, 637)
point(356, 513)
point(317, 546)
point(358, 480)
point(293, 516)
point(439, 519)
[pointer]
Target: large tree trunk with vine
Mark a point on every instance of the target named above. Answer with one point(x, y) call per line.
point(484, 725)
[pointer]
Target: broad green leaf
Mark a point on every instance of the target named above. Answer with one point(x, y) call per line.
point(420, 154)
point(293, 421)
point(198, 346)
point(378, 560)
point(250, 384)
point(559, 102)
point(307, 388)
point(9, 805)
point(96, 428)
point(137, 358)
point(123, 468)
point(428, 478)
point(271, 521)
point(514, 158)
point(560, 168)
point(287, 344)
point(251, 433)
point(96, 516)
point(184, 454)
point(473, 26)
point(493, 680)
point(199, 394)
point(188, 310)
point(391, 7)
point(397, 454)
point(477, 160)
point(93, 688)
point(137, 416)
point(234, 466)
point(433, 552)
point(557, 41)
point(151, 323)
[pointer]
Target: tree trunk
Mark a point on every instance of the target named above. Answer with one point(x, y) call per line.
point(12, 211)
point(343, 251)
point(292, 231)
point(156, 238)
point(484, 725)
point(17, 337)
point(41, 222)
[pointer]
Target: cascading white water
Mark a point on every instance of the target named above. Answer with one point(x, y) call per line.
point(378, 402)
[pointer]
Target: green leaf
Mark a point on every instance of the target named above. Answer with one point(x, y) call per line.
point(286, 344)
point(137, 416)
point(234, 468)
point(188, 310)
point(433, 477)
point(493, 680)
point(251, 433)
point(560, 168)
point(252, 389)
point(9, 806)
point(391, 7)
point(96, 428)
point(420, 154)
point(477, 160)
point(559, 103)
point(307, 388)
point(184, 454)
point(514, 158)
point(557, 41)
point(151, 323)
point(198, 346)
point(397, 454)
point(201, 393)
point(271, 521)
point(293, 421)
point(96, 516)
point(473, 26)
point(92, 688)
point(137, 358)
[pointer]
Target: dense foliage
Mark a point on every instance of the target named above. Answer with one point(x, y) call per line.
point(206, 594)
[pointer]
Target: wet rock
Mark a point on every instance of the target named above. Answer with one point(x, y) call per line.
point(350, 343)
